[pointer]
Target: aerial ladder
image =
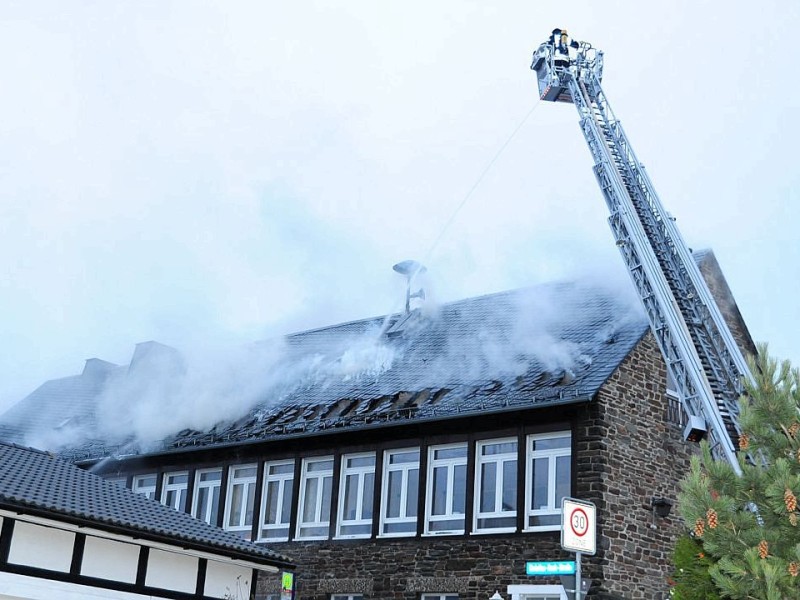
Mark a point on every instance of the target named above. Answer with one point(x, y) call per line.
point(701, 354)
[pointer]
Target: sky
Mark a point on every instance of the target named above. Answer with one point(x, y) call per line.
point(209, 173)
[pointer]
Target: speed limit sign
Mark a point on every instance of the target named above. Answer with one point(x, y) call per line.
point(578, 524)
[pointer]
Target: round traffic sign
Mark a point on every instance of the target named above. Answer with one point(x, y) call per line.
point(579, 521)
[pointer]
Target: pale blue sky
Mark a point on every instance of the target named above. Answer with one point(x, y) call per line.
point(206, 173)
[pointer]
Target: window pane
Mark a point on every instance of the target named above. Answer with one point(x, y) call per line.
point(281, 468)
point(214, 505)
point(460, 490)
point(310, 500)
point(488, 484)
point(440, 491)
point(442, 453)
point(510, 485)
point(236, 505)
point(369, 495)
point(286, 508)
point(504, 448)
point(202, 503)
point(350, 497)
point(320, 465)
point(251, 497)
point(211, 476)
point(327, 484)
point(271, 504)
point(539, 497)
point(394, 488)
point(563, 464)
point(361, 461)
point(551, 443)
point(411, 456)
point(413, 493)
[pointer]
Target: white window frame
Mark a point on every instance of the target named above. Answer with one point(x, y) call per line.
point(361, 525)
point(405, 470)
point(179, 490)
point(321, 507)
point(140, 487)
point(499, 461)
point(246, 505)
point(209, 516)
point(283, 481)
point(536, 592)
point(553, 507)
point(450, 464)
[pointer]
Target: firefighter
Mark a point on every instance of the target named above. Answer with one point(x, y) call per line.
point(563, 47)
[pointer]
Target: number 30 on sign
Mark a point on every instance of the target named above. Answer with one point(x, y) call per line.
point(578, 524)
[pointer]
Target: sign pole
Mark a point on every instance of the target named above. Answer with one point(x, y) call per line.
point(578, 594)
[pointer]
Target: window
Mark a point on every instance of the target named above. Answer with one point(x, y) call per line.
point(447, 489)
point(496, 486)
point(120, 481)
point(146, 485)
point(315, 498)
point(439, 597)
point(241, 499)
point(675, 412)
point(548, 479)
point(174, 491)
point(400, 492)
point(357, 495)
point(278, 480)
point(207, 484)
point(536, 592)
point(347, 597)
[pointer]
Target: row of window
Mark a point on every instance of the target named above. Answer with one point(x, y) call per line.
point(308, 483)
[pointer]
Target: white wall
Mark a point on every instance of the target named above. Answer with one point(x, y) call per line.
point(20, 587)
point(224, 578)
point(43, 547)
point(171, 571)
point(109, 559)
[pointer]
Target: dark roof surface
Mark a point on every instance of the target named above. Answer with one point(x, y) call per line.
point(32, 481)
point(542, 346)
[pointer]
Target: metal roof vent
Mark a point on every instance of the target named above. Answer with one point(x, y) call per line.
point(411, 268)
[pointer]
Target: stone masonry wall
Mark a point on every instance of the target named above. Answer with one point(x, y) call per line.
point(629, 453)
point(402, 569)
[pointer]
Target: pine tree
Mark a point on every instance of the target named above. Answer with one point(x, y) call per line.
point(691, 579)
point(748, 526)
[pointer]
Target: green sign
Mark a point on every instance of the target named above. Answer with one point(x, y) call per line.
point(550, 567)
point(287, 582)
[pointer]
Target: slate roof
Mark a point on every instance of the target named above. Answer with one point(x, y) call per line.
point(35, 482)
point(542, 346)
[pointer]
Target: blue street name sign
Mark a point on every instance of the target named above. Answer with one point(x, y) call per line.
point(550, 567)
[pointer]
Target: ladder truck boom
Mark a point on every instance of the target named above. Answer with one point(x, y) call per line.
point(700, 352)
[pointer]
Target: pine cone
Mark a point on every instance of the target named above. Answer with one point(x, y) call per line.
point(793, 519)
point(763, 549)
point(794, 428)
point(711, 517)
point(794, 569)
point(699, 527)
point(714, 495)
point(744, 442)
point(790, 500)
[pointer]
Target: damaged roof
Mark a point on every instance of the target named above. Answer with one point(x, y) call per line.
point(37, 483)
point(542, 346)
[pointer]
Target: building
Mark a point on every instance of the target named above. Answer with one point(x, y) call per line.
point(424, 456)
point(66, 533)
